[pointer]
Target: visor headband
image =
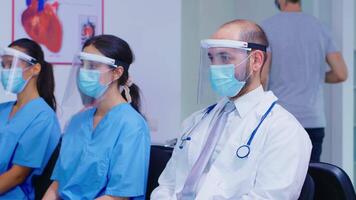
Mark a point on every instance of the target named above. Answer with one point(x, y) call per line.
point(210, 43)
point(102, 59)
point(257, 46)
point(16, 53)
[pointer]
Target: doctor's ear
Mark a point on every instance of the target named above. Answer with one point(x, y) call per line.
point(257, 60)
point(117, 72)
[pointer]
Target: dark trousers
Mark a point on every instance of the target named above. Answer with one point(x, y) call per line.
point(316, 136)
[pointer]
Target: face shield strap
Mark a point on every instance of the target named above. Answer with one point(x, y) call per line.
point(123, 64)
point(18, 54)
point(257, 46)
point(211, 43)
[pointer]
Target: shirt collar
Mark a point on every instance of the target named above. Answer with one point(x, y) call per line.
point(248, 101)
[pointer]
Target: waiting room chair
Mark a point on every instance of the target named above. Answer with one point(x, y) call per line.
point(158, 160)
point(331, 182)
point(42, 182)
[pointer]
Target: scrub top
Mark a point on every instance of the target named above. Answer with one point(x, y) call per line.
point(27, 139)
point(111, 159)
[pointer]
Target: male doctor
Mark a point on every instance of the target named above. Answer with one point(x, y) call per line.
point(244, 147)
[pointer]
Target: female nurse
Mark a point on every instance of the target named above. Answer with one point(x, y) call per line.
point(29, 129)
point(105, 149)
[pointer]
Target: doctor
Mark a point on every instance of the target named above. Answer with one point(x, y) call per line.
point(244, 147)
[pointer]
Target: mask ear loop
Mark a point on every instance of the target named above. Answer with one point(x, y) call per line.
point(126, 89)
point(127, 86)
point(244, 60)
point(29, 78)
point(250, 74)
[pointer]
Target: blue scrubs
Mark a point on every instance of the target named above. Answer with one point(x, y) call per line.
point(111, 159)
point(27, 139)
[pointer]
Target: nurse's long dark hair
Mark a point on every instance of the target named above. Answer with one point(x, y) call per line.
point(116, 48)
point(45, 80)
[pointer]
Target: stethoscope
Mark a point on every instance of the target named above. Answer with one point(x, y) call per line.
point(187, 136)
point(244, 150)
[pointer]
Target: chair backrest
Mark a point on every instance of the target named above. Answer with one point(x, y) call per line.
point(42, 182)
point(308, 188)
point(331, 182)
point(158, 160)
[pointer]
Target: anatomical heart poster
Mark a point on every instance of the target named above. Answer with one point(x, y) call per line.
point(59, 26)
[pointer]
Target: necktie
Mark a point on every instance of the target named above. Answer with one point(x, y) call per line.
point(189, 188)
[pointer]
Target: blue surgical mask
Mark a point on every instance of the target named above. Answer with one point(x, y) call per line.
point(89, 83)
point(223, 81)
point(18, 82)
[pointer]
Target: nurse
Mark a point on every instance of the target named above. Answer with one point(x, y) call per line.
point(105, 149)
point(29, 129)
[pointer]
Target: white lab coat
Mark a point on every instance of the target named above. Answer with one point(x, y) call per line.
point(275, 169)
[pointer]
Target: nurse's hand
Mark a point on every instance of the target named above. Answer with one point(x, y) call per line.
point(107, 197)
point(52, 192)
point(13, 177)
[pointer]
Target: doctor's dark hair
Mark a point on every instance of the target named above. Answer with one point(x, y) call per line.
point(45, 80)
point(118, 49)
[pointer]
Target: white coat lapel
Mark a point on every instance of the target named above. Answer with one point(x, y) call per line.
point(200, 134)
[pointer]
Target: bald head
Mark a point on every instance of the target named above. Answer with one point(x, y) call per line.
point(242, 30)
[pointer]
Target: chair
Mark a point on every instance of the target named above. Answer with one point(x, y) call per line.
point(43, 181)
point(158, 160)
point(308, 188)
point(331, 182)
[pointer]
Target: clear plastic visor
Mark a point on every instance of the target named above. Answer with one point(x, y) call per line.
point(219, 53)
point(14, 65)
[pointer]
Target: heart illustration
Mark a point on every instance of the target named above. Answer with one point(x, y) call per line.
point(42, 24)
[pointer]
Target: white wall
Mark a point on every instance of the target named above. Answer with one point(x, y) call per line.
point(342, 106)
point(255, 10)
point(338, 143)
point(153, 29)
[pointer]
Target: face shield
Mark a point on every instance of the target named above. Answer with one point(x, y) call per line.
point(89, 79)
point(223, 68)
point(14, 65)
